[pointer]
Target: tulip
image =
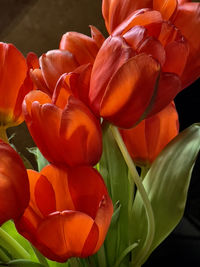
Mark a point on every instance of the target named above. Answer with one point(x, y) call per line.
point(69, 212)
point(139, 69)
point(182, 15)
point(145, 141)
point(75, 50)
point(13, 70)
point(14, 184)
point(67, 133)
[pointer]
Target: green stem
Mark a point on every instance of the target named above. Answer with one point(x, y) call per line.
point(101, 256)
point(138, 182)
point(3, 256)
point(3, 134)
point(40, 257)
point(144, 171)
point(12, 246)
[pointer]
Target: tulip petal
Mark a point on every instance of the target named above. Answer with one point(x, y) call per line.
point(135, 36)
point(81, 46)
point(13, 70)
point(176, 57)
point(116, 11)
point(37, 78)
point(153, 47)
point(54, 63)
point(45, 202)
point(75, 83)
point(142, 17)
point(169, 86)
point(62, 91)
point(135, 141)
point(87, 189)
point(80, 129)
point(14, 185)
point(129, 92)
point(58, 178)
point(32, 61)
point(97, 36)
point(190, 13)
point(161, 129)
point(167, 7)
point(71, 230)
point(113, 53)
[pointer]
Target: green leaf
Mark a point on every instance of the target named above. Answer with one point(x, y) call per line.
point(9, 227)
point(167, 185)
point(41, 161)
point(22, 263)
point(115, 173)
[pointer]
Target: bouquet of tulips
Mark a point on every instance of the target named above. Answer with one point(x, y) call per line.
point(113, 170)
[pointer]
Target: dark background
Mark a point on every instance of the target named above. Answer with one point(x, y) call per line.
point(33, 25)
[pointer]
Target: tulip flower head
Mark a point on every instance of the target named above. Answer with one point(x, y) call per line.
point(68, 134)
point(145, 141)
point(69, 212)
point(75, 50)
point(13, 70)
point(14, 184)
point(148, 59)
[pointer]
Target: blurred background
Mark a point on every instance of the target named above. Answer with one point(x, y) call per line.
point(33, 25)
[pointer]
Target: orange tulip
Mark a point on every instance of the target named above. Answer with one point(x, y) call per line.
point(66, 133)
point(174, 16)
point(14, 184)
point(13, 69)
point(145, 141)
point(139, 68)
point(68, 214)
point(76, 49)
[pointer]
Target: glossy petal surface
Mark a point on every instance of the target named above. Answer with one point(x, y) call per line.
point(75, 129)
point(116, 11)
point(190, 12)
point(113, 53)
point(54, 63)
point(13, 70)
point(81, 46)
point(14, 185)
point(69, 212)
point(148, 138)
point(129, 92)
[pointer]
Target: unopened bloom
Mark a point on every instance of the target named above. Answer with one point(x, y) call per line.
point(68, 214)
point(145, 141)
point(64, 132)
point(14, 184)
point(13, 69)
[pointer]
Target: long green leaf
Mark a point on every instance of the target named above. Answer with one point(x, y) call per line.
point(115, 173)
point(167, 185)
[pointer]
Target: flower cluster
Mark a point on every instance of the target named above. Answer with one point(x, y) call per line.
point(67, 97)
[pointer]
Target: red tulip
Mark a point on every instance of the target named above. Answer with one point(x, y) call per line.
point(67, 134)
point(83, 48)
point(141, 67)
point(76, 49)
point(14, 184)
point(145, 141)
point(68, 214)
point(13, 69)
point(179, 15)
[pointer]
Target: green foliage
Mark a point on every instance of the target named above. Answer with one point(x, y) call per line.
point(41, 161)
point(115, 173)
point(167, 184)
